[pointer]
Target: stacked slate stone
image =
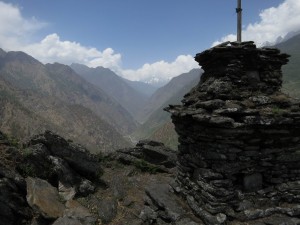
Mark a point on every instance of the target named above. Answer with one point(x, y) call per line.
point(239, 135)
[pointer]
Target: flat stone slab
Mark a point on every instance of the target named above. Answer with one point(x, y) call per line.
point(161, 197)
point(44, 198)
point(166, 207)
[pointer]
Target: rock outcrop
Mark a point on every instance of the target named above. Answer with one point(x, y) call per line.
point(13, 205)
point(77, 157)
point(239, 137)
point(39, 182)
point(149, 153)
point(50, 180)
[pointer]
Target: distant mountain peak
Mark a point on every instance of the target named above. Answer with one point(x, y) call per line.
point(79, 65)
point(81, 68)
point(2, 53)
point(131, 99)
point(21, 57)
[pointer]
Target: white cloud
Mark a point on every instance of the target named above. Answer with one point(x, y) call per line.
point(108, 59)
point(52, 49)
point(162, 71)
point(274, 23)
point(15, 33)
point(14, 29)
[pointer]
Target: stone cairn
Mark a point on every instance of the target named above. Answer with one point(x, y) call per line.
point(239, 135)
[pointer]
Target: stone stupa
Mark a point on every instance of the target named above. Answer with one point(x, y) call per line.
point(239, 137)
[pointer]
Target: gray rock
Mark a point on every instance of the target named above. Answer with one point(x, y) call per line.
point(165, 201)
point(107, 209)
point(152, 152)
point(79, 213)
point(187, 221)
point(253, 182)
point(78, 158)
point(117, 186)
point(44, 198)
point(148, 215)
point(67, 221)
point(210, 104)
point(205, 216)
point(66, 192)
point(281, 220)
point(141, 143)
point(244, 205)
point(13, 206)
point(159, 155)
point(36, 163)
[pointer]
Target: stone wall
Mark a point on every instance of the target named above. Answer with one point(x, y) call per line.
point(239, 135)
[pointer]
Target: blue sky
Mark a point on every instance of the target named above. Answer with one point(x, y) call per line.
point(139, 39)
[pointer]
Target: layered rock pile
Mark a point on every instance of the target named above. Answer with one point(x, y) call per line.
point(39, 183)
point(239, 135)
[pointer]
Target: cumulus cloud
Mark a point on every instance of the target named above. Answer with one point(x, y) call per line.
point(14, 29)
point(275, 22)
point(52, 49)
point(16, 32)
point(162, 71)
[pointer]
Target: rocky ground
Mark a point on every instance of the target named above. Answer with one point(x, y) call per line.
point(49, 180)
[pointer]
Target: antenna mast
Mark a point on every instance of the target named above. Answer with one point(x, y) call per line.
point(239, 21)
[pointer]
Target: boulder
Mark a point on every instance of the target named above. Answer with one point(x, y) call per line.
point(78, 158)
point(70, 183)
point(151, 152)
point(44, 198)
point(36, 163)
point(66, 166)
point(13, 205)
point(75, 214)
point(165, 201)
point(162, 206)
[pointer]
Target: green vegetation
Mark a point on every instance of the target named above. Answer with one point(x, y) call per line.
point(276, 111)
point(27, 152)
point(12, 141)
point(146, 167)
point(27, 170)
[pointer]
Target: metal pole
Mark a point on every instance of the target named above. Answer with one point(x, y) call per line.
point(239, 20)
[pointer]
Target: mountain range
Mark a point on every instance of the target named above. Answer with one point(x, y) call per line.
point(171, 90)
point(291, 71)
point(36, 97)
point(115, 86)
point(93, 105)
point(100, 109)
point(158, 125)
